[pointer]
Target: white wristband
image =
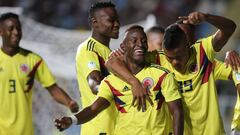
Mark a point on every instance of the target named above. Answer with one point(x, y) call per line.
point(74, 119)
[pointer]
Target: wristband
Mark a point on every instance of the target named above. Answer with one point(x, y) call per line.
point(74, 119)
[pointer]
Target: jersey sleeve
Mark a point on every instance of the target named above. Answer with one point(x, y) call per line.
point(170, 88)
point(208, 47)
point(44, 75)
point(104, 91)
point(87, 62)
point(221, 72)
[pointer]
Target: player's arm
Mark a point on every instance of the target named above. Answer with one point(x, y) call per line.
point(45, 77)
point(176, 110)
point(225, 26)
point(90, 68)
point(84, 115)
point(172, 97)
point(62, 97)
point(118, 67)
point(94, 79)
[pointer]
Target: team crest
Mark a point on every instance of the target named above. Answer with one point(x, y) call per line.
point(24, 68)
point(148, 82)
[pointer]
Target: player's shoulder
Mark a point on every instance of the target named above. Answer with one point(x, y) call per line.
point(28, 53)
point(157, 68)
point(204, 40)
point(87, 45)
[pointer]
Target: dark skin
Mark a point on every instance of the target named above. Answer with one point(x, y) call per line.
point(10, 30)
point(136, 48)
point(225, 26)
point(105, 25)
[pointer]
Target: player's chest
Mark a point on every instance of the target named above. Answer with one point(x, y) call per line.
point(14, 69)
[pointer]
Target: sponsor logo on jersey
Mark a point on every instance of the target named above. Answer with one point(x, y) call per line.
point(24, 68)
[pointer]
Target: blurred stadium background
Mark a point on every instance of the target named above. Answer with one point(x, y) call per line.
point(54, 29)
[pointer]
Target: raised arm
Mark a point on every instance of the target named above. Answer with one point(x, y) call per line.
point(176, 110)
point(62, 97)
point(83, 116)
point(140, 95)
point(225, 27)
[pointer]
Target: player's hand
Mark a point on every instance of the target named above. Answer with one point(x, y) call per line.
point(63, 123)
point(232, 58)
point(193, 18)
point(73, 106)
point(116, 53)
point(140, 95)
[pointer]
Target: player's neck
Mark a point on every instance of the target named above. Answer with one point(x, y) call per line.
point(102, 39)
point(134, 67)
point(184, 70)
point(11, 51)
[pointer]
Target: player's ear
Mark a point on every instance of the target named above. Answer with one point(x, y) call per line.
point(123, 46)
point(93, 21)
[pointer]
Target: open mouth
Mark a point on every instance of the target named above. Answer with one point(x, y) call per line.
point(139, 51)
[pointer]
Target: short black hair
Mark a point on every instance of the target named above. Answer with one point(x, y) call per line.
point(8, 15)
point(98, 5)
point(156, 29)
point(173, 34)
point(134, 27)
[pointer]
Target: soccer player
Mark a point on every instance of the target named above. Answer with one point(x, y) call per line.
point(195, 69)
point(18, 69)
point(90, 59)
point(113, 90)
point(155, 36)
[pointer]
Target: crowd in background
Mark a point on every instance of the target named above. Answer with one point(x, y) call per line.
point(72, 14)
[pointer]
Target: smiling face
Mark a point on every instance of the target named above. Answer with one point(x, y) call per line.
point(106, 22)
point(11, 32)
point(135, 43)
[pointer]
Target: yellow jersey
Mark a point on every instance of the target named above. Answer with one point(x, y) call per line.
point(91, 56)
point(198, 89)
point(236, 117)
point(17, 74)
point(162, 88)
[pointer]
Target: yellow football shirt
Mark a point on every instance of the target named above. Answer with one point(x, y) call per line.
point(197, 85)
point(91, 56)
point(17, 74)
point(155, 121)
point(236, 117)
